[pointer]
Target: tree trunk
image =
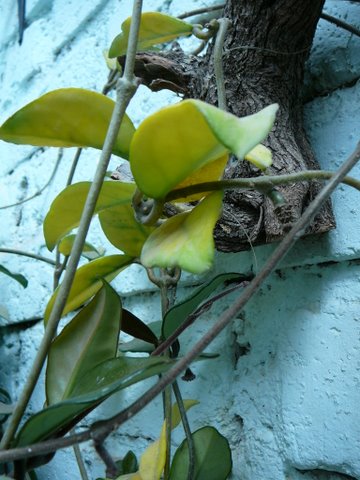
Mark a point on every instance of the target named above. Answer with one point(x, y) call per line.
point(265, 51)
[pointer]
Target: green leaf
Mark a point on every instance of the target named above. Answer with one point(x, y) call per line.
point(65, 211)
point(88, 340)
point(88, 281)
point(132, 325)
point(97, 385)
point(122, 230)
point(152, 461)
point(176, 141)
point(142, 346)
point(89, 251)
point(68, 117)
point(212, 457)
point(180, 312)
point(185, 240)
point(128, 464)
point(15, 276)
point(155, 28)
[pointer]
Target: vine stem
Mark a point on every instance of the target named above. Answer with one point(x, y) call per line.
point(324, 16)
point(187, 430)
point(218, 62)
point(259, 183)
point(100, 430)
point(28, 254)
point(40, 191)
point(125, 89)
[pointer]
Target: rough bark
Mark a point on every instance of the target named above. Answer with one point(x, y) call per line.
point(265, 51)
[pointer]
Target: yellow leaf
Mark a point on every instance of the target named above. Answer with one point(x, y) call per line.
point(154, 28)
point(175, 413)
point(208, 173)
point(122, 230)
point(185, 240)
point(88, 281)
point(129, 476)
point(260, 156)
point(152, 461)
point(65, 211)
point(172, 144)
point(68, 117)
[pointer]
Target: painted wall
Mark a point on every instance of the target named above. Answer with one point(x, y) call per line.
point(286, 388)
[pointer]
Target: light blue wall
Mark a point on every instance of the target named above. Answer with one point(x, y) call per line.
point(285, 390)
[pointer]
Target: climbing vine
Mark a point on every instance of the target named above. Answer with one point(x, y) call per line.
point(163, 220)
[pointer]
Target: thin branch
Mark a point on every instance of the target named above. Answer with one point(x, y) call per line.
point(324, 16)
point(80, 462)
point(126, 88)
point(268, 181)
point(185, 423)
point(39, 192)
point(218, 63)
point(28, 254)
point(74, 166)
point(340, 23)
point(199, 11)
point(112, 470)
point(192, 317)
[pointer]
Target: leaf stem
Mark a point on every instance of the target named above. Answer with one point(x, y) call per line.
point(323, 15)
point(188, 435)
point(80, 462)
point(112, 470)
point(125, 89)
point(218, 63)
point(259, 183)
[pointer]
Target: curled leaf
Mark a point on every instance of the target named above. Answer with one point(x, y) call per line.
point(172, 144)
point(185, 240)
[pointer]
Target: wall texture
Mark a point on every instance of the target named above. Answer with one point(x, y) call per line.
point(286, 388)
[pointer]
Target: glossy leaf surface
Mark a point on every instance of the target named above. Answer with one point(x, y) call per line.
point(122, 230)
point(174, 142)
point(89, 251)
point(179, 313)
point(212, 457)
point(88, 281)
point(88, 340)
point(65, 211)
point(132, 325)
point(68, 117)
point(155, 28)
point(186, 240)
point(138, 345)
point(15, 276)
point(106, 379)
